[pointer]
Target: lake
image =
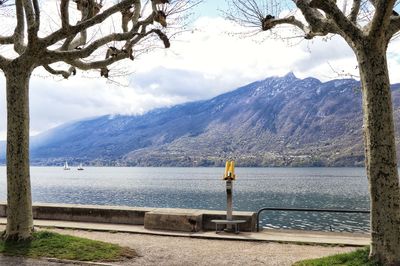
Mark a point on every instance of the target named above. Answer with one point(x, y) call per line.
point(203, 188)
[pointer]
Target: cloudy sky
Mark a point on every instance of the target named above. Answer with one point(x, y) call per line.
point(201, 63)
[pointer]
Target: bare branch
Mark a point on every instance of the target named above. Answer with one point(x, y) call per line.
point(269, 22)
point(3, 3)
point(88, 50)
point(65, 73)
point(6, 39)
point(312, 15)
point(345, 27)
point(70, 53)
point(64, 9)
point(75, 49)
point(73, 56)
point(74, 43)
point(54, 56)
point(248, 13)
point(162, 36)
point(394, 27)
point(37, 13)
point(97, 64)
point(131, 16)
point(19, 45)
point(88, 9)
point(318, 23)
point(381, 19)
point(3, 62)
point(73, 30)
point(33, 26)
point(355, 9)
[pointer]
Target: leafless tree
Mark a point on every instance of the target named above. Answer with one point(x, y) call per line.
point(367, 26)
point(31, 45)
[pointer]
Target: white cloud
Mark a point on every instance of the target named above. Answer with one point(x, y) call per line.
point(230, 61)
point(199, 65)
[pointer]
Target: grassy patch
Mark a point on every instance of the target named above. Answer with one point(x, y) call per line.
point(355, 258)
point(49, 244)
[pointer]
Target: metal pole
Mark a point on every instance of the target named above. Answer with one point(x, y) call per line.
point(229, 208)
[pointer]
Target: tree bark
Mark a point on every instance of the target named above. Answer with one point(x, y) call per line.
point(380, 154)
point(19, 200)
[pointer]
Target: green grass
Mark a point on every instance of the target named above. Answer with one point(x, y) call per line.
point(355, 258)
point(53, 245)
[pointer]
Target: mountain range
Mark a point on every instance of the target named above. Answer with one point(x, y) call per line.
point(278, 121)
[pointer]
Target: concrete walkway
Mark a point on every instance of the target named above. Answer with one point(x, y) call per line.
point(285, 236)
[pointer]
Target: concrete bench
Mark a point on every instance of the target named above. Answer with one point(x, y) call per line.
point(228, 222)
point(174, 220)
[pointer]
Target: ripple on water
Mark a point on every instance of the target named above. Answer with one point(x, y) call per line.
point(202, 188)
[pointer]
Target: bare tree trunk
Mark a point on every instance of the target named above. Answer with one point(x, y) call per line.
point(380, 154)
point(19, 200)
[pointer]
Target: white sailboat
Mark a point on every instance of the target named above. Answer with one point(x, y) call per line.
point(80, 168)
point(66, 167)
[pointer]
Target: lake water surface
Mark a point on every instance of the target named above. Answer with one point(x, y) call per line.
point(203, 188)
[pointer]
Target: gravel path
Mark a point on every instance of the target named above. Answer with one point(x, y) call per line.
point(161, 250)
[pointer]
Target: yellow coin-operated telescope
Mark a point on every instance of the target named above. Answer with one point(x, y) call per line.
point(229, 176)
point(229, 171)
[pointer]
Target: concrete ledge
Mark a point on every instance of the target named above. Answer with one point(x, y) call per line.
point(87, 213)
point(91, 214)
point(174, 220)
